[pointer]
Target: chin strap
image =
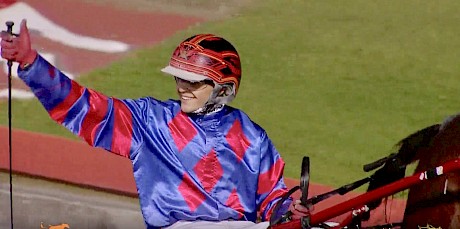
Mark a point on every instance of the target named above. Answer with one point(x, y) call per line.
point(209, 108)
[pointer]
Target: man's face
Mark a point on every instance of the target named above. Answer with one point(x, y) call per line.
point(193, 95)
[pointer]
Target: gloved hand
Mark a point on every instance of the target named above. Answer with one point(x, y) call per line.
point(18, 49)
point(298, 210)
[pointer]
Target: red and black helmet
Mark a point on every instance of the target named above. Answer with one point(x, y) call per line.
point(206, 56)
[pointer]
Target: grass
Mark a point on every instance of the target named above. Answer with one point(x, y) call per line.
point(339, 81)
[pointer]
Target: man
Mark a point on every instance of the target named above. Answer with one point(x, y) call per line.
point(197, 162)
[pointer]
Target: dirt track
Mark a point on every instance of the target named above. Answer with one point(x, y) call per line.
point(209, 9)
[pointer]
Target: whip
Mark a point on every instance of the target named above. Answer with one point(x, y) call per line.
point(9, 25)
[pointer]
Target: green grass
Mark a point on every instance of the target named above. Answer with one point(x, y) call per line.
point(339, 81)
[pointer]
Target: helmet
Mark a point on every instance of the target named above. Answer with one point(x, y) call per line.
point(207, 56)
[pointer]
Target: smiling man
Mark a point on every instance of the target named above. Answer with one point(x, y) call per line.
point(197, 162)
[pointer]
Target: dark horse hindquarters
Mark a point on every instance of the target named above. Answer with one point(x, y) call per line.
point(436, 204)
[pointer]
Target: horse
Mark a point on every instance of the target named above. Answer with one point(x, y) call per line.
point(435, 203)
point(432, 204)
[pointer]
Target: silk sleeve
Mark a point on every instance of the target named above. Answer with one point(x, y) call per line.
point(271, 185)
point(100, 120)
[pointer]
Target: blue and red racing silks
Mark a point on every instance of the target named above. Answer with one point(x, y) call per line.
point(219, 166)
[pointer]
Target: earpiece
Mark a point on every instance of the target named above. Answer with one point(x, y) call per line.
point(226, 90)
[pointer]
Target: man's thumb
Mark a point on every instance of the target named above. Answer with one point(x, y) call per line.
point(24, 36)
point(23, 29)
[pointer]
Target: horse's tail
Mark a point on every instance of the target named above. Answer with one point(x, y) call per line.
point(409, 147)
point(394, 166)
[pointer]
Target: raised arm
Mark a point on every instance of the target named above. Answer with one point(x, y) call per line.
point(101, 121)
